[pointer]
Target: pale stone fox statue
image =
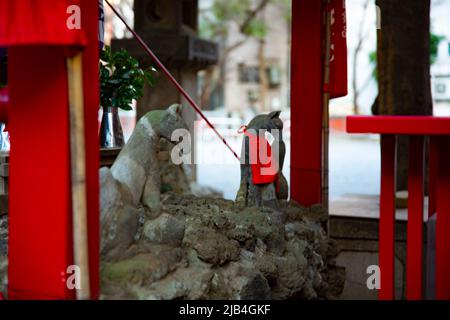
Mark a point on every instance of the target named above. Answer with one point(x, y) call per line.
point(134, 178)
point(250, 194)
point(136, 167)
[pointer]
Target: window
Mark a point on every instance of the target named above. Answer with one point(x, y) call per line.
point(248, 74)
point(441, 88)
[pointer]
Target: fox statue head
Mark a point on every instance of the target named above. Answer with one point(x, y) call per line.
point(164, 122)
point(266, 122)
point(172, 121)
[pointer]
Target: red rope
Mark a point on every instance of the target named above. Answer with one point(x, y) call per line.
point(172, 79)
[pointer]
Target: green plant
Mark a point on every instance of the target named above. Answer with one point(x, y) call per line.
point(435, 40)
point(121, 79)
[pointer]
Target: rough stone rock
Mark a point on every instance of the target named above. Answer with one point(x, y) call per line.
point(3, 274)
point(109, 192)
point(165, 229)
point(144, 267)
point(212, 247)
point(119, 229)
point(119, 220)
point(173, 177)
point(3, 236)
point(227, 252)
point(184, 283)
point(253, 287)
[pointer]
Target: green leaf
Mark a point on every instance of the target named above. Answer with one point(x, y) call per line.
point(121, 79)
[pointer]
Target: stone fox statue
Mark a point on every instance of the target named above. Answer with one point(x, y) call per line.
point(268, 194)
point(136, 167)
point(134, 178)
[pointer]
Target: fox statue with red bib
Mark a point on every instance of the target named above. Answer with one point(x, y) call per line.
point(263, 151)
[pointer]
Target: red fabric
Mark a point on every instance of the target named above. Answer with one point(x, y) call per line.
point(38, 22)
point(40, 225)
point(338, 55)
point(40, 233)
point(264, 168)
point(91, 102)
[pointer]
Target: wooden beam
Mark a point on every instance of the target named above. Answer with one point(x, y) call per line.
point(307, 101)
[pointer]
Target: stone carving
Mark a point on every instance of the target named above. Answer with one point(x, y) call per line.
point(136, 167)
point(134, 180)
point(191, 247)
point(268, 194)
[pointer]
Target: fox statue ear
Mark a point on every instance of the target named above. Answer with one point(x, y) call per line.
point(175, 109)
point(274, 114)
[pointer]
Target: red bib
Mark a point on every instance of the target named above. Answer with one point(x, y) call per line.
point(263, 165)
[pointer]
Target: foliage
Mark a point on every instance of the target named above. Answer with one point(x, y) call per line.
point(215, 20)
point(121, 79)
point(373, 63)
point(247, 19)
point(435, 40)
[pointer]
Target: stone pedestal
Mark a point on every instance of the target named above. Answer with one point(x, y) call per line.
point(169, 28)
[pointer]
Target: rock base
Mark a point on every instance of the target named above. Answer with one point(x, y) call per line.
point(206, 248)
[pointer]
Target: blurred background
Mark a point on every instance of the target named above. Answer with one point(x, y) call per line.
point(249, 74)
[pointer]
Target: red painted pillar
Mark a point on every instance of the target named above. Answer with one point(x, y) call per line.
point(433, 174)
point(443, 221)
point(91, 87)
point(387, 217)
point(40, 246)
point(40, 219)
point(306, 101)
point(414, 243)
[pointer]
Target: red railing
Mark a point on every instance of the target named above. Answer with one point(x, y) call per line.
point(417, 128)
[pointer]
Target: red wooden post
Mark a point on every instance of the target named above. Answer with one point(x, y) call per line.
point(91, 102)
point(40, 246)
point(414, 242)
point(306, 101)
point(433, 173)
point(387, 216)
point(439, 129)
point(443, 221)
point(40, 226)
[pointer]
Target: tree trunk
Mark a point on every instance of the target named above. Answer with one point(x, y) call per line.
point(359, 46)
point(404, 66)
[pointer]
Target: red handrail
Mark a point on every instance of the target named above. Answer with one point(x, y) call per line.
point(416, 127)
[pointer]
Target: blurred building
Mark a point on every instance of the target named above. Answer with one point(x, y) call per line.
point(440, 72)
point(244, 86)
